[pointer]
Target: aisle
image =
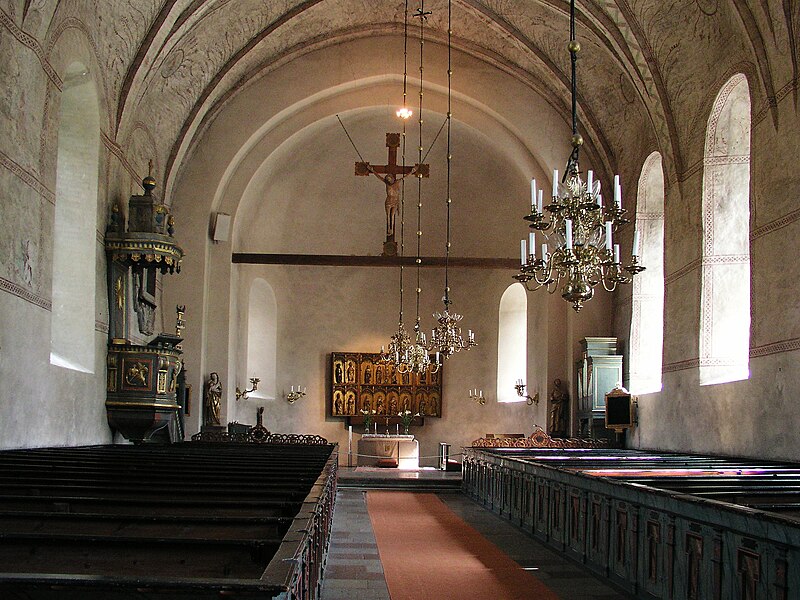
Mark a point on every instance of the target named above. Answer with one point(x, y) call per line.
point(354, 570)
point(429, 553)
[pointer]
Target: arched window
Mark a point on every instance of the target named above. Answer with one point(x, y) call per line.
point(262, 335)
point(725, 294)
point(647, 314)
point(512, 342)
point(75, 245)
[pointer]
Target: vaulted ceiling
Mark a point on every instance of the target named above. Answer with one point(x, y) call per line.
point(173, 65)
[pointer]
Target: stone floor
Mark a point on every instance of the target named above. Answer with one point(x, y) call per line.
point(354, 570)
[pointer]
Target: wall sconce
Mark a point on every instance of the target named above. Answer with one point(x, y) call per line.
point(520, 387)
point(242, 395)
point(477, 396)
point(295, 395)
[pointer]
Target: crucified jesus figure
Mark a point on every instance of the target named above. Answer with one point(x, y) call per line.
point(392, 203)
point(391, 174)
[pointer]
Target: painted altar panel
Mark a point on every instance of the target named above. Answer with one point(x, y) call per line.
point(361, 381)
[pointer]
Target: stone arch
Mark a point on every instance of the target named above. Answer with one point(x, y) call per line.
point(647, 314)
point(512, 342)
point(725, 290)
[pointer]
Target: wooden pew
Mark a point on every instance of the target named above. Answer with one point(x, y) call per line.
point(190, 520)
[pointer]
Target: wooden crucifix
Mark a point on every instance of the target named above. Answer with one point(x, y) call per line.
point(391, 174)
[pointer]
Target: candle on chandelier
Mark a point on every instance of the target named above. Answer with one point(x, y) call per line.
point(539, 201)
point(617, 192)
point(437, 358)
point(555, 183)
point(599, 199)
point(635, 251)
point(608, 235)
point(544, 252)
point(532, 243)
point(568, 224)
point(522, 252)
point(589, 181)
point(533, 194)
point(616, 253)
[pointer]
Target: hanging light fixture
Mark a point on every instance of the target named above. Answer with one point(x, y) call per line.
point(577, 249)
point(446, 338)
point(400, 341)
point(418, 360)
point(411, 356)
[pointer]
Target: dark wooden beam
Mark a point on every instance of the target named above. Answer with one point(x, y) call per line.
point(341, 260)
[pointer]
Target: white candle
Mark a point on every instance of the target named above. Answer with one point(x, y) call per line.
point(292, 388)
point(531, 242)
point(616, 253)
point(555, 183)
point(539, 202)
point(544, 252)
point(617, 192)
point(568, 224)
point(608, 235)
point(589, 181)
point(533, 194)
point(522, 251)
point(599, 199)
point(635, 251)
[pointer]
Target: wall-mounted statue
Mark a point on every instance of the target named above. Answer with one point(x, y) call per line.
point(213, 399)
point(559, 409)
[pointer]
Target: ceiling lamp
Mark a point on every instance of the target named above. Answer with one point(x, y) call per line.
point(417, 359)
point(400, 342)
point(577, 249)
point(410, 356)
point(446, 338)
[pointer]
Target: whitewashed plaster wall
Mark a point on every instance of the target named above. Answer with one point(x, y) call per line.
point(681, 53)
point(291, 188)
point(758, 416)
point(42, 404)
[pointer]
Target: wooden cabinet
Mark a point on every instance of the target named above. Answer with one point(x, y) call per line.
point(597, 372)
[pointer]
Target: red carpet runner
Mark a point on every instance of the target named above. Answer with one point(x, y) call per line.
point(429, 553)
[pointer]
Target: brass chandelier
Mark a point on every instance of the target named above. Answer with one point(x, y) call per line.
point(446, 337)
point(411, 356)
point(577, 251)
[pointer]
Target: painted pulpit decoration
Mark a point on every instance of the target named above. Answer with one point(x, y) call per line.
point(362, 382)
point(391, 174)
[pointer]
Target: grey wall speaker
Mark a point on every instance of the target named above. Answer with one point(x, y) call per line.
point(220, 227)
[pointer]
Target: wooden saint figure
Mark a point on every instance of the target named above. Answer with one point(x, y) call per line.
point(391, 174)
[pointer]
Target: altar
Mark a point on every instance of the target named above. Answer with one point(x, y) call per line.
point(373, 447)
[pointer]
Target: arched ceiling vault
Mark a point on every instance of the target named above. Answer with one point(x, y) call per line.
point(198, 53)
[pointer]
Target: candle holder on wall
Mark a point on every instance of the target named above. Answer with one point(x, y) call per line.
point(477, 396)
point(520, 387)
point(242, 394)
point(293, 395)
